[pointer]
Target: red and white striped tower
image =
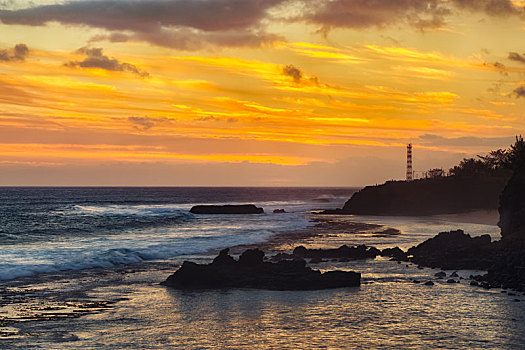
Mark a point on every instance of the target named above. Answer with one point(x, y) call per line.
point(410, 172)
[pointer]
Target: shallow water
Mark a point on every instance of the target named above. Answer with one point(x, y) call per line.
point(387, 311)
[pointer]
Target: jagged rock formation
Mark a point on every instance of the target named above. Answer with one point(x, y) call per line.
point(251, 271)
point(343, 253)
point(454, 250)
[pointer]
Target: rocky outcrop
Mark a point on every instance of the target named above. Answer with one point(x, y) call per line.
point(342, 253)
point(227, 209)
point(395, 253)
point(443, 195)
point(454, 250)
point(251, 271)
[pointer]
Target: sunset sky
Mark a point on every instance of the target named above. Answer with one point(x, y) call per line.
point(254, 92)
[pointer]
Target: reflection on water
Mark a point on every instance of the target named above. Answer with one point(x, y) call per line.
point(387, 311)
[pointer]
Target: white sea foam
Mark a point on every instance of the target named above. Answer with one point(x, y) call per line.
point(192, 237)
point(128, 210)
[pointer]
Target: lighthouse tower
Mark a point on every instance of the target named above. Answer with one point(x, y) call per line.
point(410, 172)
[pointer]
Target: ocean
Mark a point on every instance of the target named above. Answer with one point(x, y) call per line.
point(80, 269)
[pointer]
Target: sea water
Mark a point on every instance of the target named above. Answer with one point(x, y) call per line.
point(105, 250)
point(59, 229)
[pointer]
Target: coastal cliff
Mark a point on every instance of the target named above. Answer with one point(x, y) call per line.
point(442, 195)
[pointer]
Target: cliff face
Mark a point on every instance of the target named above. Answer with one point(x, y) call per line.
point(443, 195)
point(512, 207)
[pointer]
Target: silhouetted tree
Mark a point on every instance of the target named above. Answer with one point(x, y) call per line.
point(515, 159)
point(435, 173)
point(495, 163)
point(496, 159)
point(470, 167)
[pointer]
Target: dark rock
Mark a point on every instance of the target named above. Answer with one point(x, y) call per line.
point(512, 201)
point(440, 274)
point(454, 249)
point(282, 256)
point(251, 257)
point(429, 283)
point(251, 271)
point(451, 281)
point(415, 281)
point(454, 274)
point(396, 253)
point(343, 253)
point(223, 258)
point(279, 211)
point(226, 209)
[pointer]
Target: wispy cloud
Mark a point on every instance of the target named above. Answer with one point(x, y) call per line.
point(183, 24)
point(519, 91)
point(95, 58)
point(514, 56)
point(193, 25)
point(422, 15)
point(18, 53)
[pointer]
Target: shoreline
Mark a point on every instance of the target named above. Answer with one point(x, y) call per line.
point(482, 217)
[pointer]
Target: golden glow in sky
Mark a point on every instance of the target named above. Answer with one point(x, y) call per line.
point(253, 92)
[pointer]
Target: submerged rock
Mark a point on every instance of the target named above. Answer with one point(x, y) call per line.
point(251, 271)
point(279, 211)
point(227, 209)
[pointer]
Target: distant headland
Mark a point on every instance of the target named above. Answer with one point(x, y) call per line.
point(473, 184)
